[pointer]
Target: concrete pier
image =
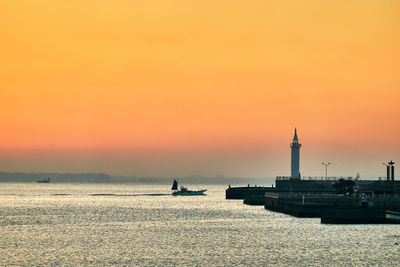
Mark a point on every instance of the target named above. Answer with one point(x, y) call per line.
point(355, 216)
point(334, 208)
point(282, 186)
point(241, 192)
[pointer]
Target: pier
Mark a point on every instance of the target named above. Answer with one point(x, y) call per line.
point(344, 200)
point(335, 208)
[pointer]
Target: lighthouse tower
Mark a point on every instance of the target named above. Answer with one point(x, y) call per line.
point(295, 146)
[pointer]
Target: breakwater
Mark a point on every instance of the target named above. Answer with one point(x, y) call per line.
point(334, 208)
point(321, 198)
point(282, 186)
point(241, 192)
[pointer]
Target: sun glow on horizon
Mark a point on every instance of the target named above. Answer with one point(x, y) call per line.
point(207, 87)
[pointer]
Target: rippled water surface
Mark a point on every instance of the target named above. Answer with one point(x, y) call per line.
point(143, 225)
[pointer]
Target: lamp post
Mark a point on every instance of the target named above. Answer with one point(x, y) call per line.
point(387, 171)
point(326, 169)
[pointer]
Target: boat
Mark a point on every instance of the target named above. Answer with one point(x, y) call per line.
point(184, 191)
point(392, 215)
point(44, 181)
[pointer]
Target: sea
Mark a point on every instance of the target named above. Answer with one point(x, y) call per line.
point(60, 224)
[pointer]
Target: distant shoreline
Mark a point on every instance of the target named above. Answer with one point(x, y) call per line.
point(22, 177)
point(55, 177)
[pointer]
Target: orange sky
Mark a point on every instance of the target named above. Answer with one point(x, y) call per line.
point(199, 87)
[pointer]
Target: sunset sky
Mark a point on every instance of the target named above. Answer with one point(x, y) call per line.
point(175, 88)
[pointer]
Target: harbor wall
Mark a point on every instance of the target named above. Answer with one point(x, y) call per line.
point(241, 192)
point(255, 200)
point(335, 208)
point(286, 186)
point(354, 216)
point(305, 184)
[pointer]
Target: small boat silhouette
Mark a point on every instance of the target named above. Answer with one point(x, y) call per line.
point(184, 191)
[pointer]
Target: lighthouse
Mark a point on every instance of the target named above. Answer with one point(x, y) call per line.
point(295, 167)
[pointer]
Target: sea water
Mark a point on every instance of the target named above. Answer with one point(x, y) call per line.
point(143, 225)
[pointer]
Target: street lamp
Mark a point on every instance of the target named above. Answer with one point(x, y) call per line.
point(326, 169)
point(389, 166)
point(387, 171)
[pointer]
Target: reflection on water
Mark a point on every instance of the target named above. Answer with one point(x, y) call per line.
point(99, 224)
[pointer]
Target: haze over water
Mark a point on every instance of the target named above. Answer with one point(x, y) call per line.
point(143, 225)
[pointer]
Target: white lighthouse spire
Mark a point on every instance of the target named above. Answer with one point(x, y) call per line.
point(295, 138)
point(295, 160)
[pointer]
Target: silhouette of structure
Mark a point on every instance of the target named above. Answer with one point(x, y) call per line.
point(295, 161)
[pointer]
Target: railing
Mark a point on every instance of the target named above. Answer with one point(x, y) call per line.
point(384, 179)
point(316, 178)
point(308, 195)
point(330, 195)
point(329, 178)
point(280, 178)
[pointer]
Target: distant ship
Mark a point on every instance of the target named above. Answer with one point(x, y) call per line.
point(184, 191)
point(44, 181)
